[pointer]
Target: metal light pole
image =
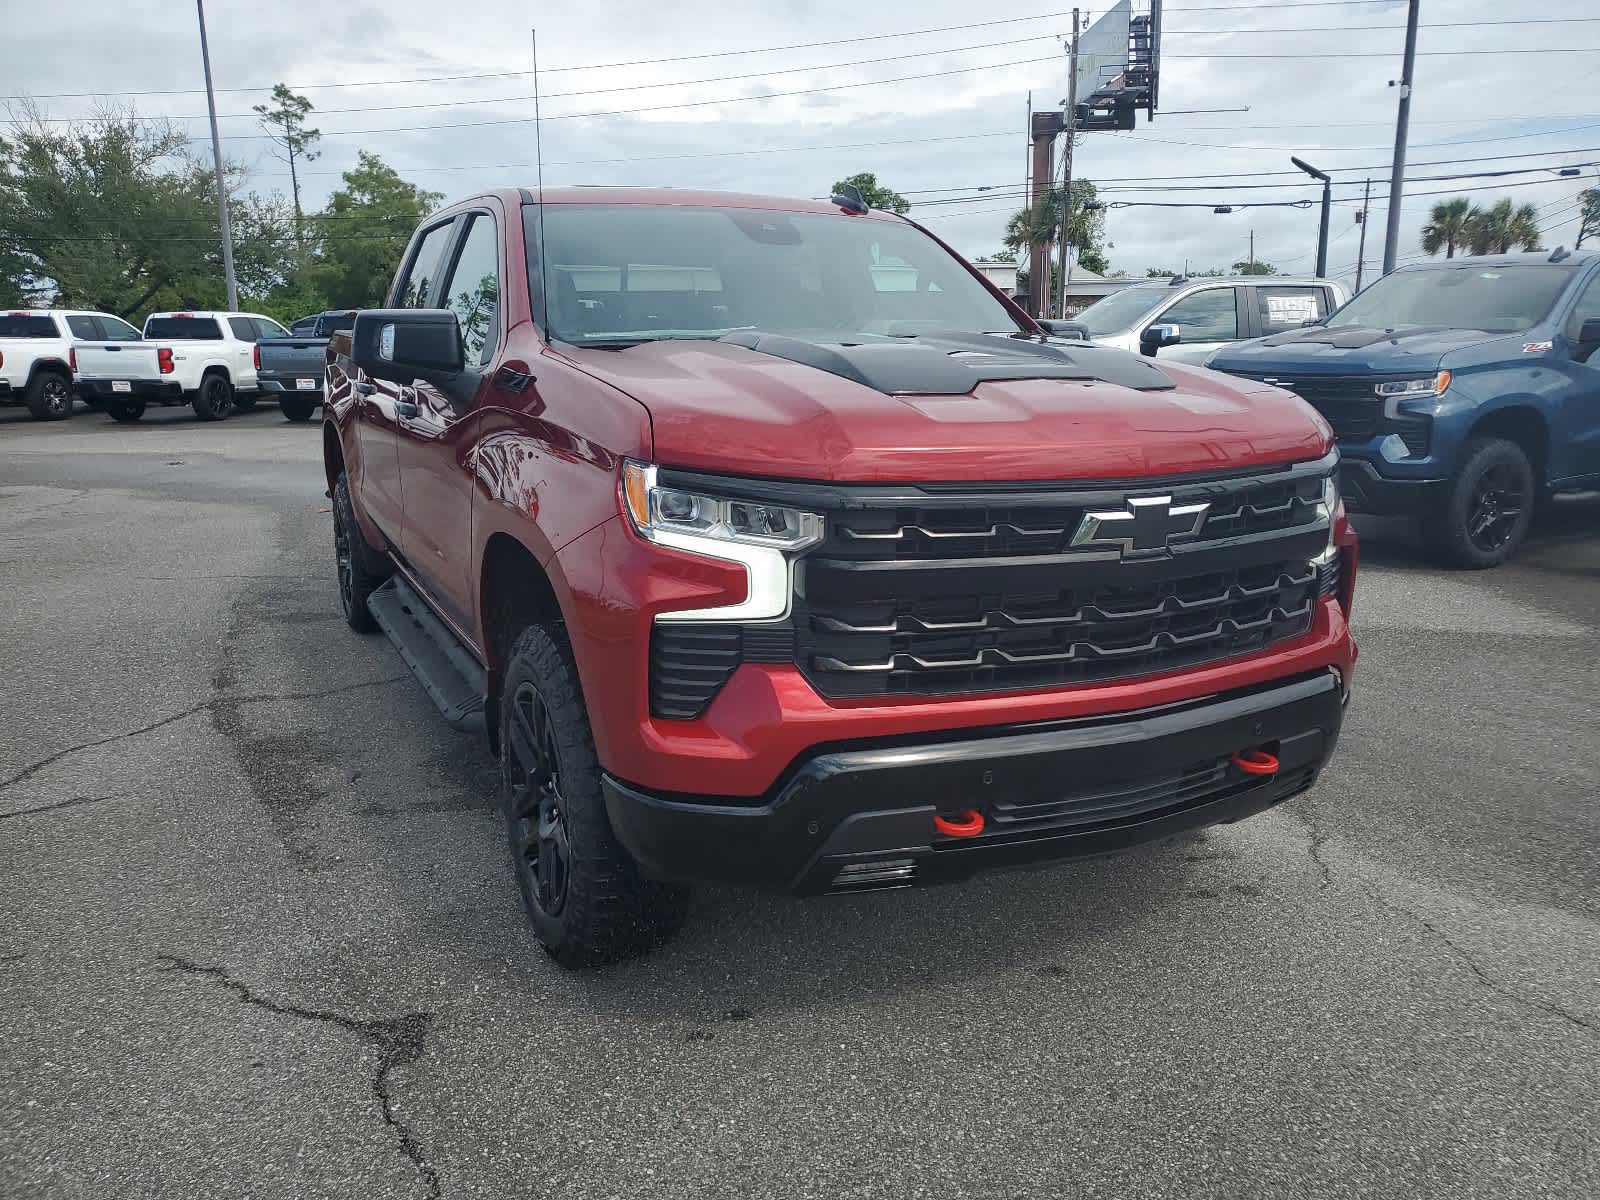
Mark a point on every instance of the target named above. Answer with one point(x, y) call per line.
point(216, 158)
point(1322, 231)
point(1402, 125)
point(1066, 171)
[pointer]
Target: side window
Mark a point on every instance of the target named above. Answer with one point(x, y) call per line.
point(84, 328)
point(1587, 308)
point(1281, 308)
point(243, 328)
point(114, 329)
point(304, 327)
point(473, 292)
point(1206, 316)
point(425, 266)
point(268, 328)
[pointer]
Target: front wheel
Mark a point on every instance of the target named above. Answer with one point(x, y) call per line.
point(50, 396)
point(584, 896)
point(361, 569)
point(297, 408)
point(1486, 508)
point(214, 400)
point(126, 411)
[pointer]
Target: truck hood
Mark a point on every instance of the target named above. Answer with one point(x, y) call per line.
point(723, 406)
point(1350, 350)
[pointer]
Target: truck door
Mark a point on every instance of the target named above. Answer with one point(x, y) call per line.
point(1575, 423)
point(1208, 320)
point(378, 401)
point(436, 437)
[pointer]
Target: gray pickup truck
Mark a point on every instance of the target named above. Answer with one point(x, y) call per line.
point(292, 368)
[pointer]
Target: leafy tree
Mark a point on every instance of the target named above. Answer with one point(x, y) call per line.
point(364, 231)
point(1041, 222)
point(285, 122)
point(1495, 230)
point(1160, 273)
point(876, 194)
point(1248, 267)
point(1447, 226)
point(1007, 256)
point(1589, 215)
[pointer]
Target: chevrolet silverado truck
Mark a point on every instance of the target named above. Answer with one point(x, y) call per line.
point(294, 368)
point(1464, 393)
point(39, 351)
point(760, 563)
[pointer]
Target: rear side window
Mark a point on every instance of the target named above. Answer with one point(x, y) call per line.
point(1207, 316)
point(27, 325)
point(417, 288)
point(1281, 308)
point(243, 328)
point(113, 329)
point(86, 328)
point(266, 327)
point(191, 329)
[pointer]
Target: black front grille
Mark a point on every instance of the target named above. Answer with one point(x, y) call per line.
point(983, 641)
point(1349, 404)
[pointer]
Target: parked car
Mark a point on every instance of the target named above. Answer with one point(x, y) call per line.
point(758, 570)
point(1208, 312)
point(211, 362)
point(293, 368)
point(1464, 392)
point(39, 355)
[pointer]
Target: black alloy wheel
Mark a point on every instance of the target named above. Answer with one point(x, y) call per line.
point(533, 787)
point(1483, 514)
point(1499, 498)
point(214, 401)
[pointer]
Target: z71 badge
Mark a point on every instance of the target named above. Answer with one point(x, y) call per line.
point(1537, 347)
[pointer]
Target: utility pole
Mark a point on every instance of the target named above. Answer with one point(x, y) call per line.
point(1066, 170)
point(216, 158)
point(1322, 228)
point(1252, 252)
point(1402, 124)
point(1361, 252)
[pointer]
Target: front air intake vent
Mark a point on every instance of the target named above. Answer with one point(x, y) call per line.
point(688, 665)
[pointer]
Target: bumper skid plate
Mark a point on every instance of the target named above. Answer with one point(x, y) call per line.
point(857, 817)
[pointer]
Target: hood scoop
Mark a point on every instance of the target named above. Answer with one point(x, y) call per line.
point(952, 364)
point(1352, 337)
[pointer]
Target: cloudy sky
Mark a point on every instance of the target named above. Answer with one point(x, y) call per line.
point(936, 111)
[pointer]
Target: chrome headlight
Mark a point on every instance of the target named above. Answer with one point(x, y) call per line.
point(1405, 389)
point(761, 537)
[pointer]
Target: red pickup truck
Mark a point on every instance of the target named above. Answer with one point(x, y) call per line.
point(769, 543)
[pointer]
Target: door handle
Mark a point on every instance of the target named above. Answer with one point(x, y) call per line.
point(405, 408)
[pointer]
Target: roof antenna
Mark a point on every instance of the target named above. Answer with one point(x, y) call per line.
point(538, 159)
point(849, 198)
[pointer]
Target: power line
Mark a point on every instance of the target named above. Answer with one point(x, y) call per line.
point(1165, 32)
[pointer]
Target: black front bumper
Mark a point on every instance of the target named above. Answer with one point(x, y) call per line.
point(138, 389)
point(1364, 490)
point(856, 817)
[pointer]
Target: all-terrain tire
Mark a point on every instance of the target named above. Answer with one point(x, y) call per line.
point(214, 399)
point(297, 408)
point(126, 411)
point(1483, 513)
point(361, 568)
point(49, 396)
point(594, 907)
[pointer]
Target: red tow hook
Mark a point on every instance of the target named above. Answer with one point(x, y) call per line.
point(965, 824)
point(1256, 762)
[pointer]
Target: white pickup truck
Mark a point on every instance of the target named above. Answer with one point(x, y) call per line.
point(208, 359)
point(39, 351)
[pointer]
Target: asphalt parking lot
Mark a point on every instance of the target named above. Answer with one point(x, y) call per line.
point(258, 934)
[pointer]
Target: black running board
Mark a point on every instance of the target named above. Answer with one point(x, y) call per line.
point(443, 666)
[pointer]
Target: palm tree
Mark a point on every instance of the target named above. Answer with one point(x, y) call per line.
point(1495, 230)
point(1447, 226)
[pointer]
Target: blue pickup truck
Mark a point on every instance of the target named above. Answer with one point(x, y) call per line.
point(1464, 392)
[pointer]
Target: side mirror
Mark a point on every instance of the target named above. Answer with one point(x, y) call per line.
point(1156, 336)
point(403, 345)
point(1589, 332)
point(1076, 330)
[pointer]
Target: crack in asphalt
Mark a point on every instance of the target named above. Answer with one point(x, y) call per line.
point(399, 1041)
point(44, 808)
point(1319, 839)
point(33, 769)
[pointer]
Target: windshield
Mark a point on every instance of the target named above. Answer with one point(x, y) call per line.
point(1121, 311)
point(636, 272)
point(1494, 299)
point(191, 329)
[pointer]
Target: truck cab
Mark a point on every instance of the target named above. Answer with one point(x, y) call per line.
point(1463, 393)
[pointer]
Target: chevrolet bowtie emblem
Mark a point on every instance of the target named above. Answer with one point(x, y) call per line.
point(1146, 524)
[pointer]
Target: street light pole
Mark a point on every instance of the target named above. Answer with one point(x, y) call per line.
point(216, 158)
point(1322, 231)
point(1066, 171)
point(1402, 125)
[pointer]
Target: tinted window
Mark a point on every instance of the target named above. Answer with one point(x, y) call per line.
point(1120, 311)
point(1495, 299)
point(305, 326)
point(473, 292)
point(337, 323)
point(1207, 316)
point(425, 267)
point(193, 329)
point(243, 328)
point(114, 330)
point(84, 327)
point(25, 325)
point(632, 272)
point(1281, 308)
